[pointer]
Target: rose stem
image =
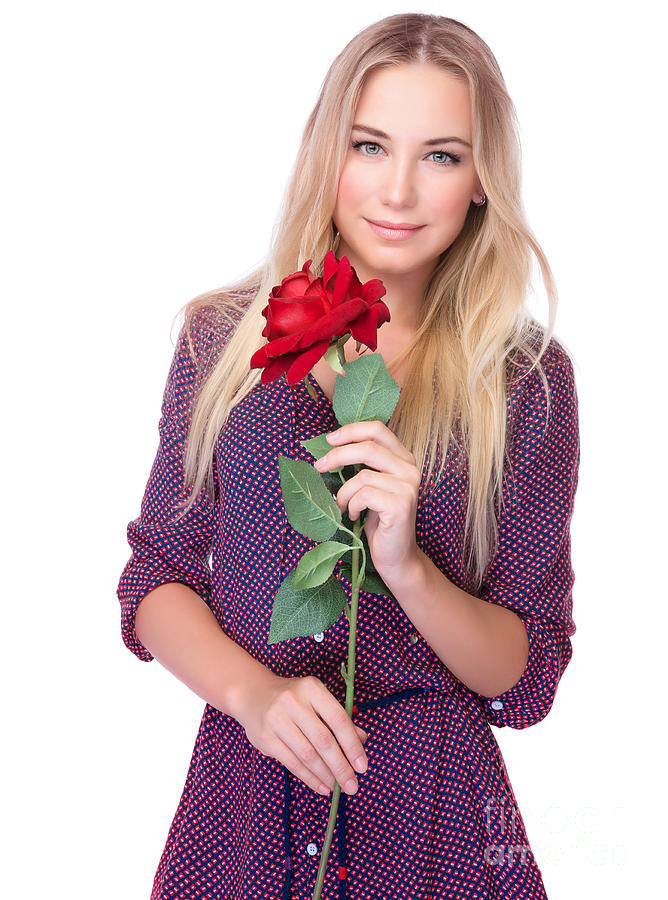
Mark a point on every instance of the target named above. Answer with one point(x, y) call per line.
point(350, 687)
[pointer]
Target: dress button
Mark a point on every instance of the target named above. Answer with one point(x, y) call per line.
point(319, 636)
point(311, 849)
point(414, 638)
point(497, 704)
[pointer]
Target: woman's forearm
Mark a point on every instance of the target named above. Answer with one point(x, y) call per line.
point(485, 645)
point(179, 629)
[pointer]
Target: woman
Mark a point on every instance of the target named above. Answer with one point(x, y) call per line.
point(413, 128)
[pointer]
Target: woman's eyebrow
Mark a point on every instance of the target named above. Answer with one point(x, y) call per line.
point(381, 134)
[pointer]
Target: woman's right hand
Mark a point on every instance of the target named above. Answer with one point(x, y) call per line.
point(299, 722)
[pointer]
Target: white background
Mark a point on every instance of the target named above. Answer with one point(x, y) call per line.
point(146, 147)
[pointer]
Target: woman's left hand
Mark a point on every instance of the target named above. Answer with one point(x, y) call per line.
point(389, 490)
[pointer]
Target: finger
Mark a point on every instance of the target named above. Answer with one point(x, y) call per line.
point(329, 751)
point(374, 487)
point(342, 750)
point(376, 431)
point(293, 735)
point(370, 453)
point(285, 755)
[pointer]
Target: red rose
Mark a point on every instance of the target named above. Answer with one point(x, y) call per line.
point(306, 314)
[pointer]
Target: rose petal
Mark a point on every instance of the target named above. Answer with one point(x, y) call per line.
point(305, 362)
point(330, 266)
point(277, 367)
point(374, 290)
point(365, 328)
point(342, 283)
point(293, 315)
point(337, 322)
point(293, 286)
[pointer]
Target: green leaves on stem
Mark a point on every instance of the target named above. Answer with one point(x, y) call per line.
point(310, 599)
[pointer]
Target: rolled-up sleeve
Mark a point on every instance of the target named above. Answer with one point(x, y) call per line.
point(168, 546)
point(531, 573)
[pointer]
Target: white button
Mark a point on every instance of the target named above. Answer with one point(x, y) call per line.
point(414, 638)
point(497, 704)
point(311, 849)
point(319, 636)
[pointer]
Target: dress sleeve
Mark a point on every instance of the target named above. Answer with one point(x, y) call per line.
point(166, 548)
point(531, 573)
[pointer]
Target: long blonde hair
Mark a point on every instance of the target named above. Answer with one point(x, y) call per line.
point(473, 319)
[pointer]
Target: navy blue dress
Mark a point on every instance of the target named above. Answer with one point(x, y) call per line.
point(435, 816)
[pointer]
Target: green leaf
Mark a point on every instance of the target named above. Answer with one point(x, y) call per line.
point(301, 613)
point(310, 389)
point(318, 564)
point(309, 506)
point(367, 391)
point(345, 537)
point(317, 446)
point(332, 481)
point(332, 357)
point(333, 478)
point(372, 582)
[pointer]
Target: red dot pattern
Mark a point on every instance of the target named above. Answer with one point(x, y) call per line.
point(435, 815)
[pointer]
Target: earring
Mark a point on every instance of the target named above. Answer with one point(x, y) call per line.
point(337, 238)
point(483, 200)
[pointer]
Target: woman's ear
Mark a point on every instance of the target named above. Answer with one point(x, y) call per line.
point(479, 197)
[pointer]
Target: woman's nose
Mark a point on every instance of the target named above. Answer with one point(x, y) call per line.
point(400, 182)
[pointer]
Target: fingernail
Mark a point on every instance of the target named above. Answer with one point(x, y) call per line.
point(360, 764)
point(351, 786)
point(332, 434)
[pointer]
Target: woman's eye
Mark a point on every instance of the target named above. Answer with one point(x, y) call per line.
point(359, 144)
point(444, 162)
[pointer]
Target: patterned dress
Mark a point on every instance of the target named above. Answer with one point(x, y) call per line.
point(435, 816)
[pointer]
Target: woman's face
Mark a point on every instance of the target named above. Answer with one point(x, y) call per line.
point(406, 176)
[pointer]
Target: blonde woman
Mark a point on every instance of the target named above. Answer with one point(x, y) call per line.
point(410, 166)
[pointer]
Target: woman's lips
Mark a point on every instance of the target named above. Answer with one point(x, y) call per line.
point(394, 234)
